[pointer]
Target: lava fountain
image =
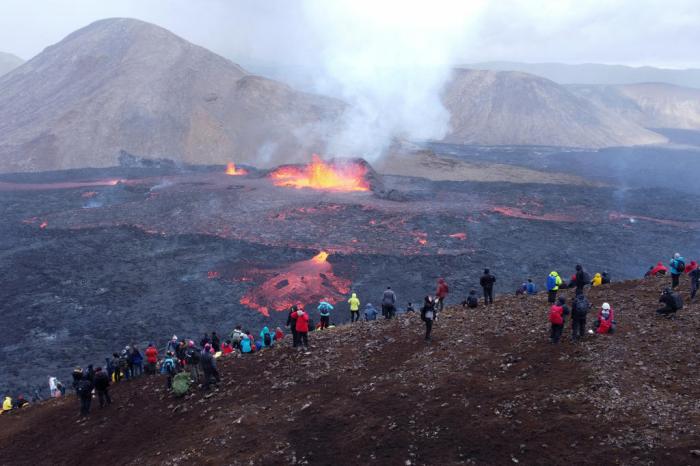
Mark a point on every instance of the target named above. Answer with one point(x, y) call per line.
point(232, 170)
point(302, 283)
point(318, 174)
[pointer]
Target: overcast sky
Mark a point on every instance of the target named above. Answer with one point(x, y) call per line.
point(636, 32)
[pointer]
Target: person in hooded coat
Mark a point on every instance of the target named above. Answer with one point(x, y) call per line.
point(487, 281)
point(85, 387)
point(208, 363)
point(472, 301)
point(597, 280)
point(279, 335)
point(677, 268)
point(246, 344)
point(102, 387)
point(291, 323)
point(579, 312)
point(151, 359)
point(605, 323)
point(553, 283)
point(427, 314)
point(694, 282)
point(388, 303)
point(354, 303)
point(581, 278)
point(370, 312)
point(7, 404)
point(301, 321)
point(324, 310)
point(557, 314)
point(215, 342)
point(441, 294)
point(193, 357)
point(266, 338)
point(657, 271)
point(605, 278)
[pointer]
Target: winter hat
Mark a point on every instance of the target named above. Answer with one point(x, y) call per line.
point(676, 256)
point(486, 270)
point(174, 337)
point(191, 343)
point(606, 306)
point(207, 346)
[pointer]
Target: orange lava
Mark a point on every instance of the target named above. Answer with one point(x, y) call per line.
point(231, 170)
point(321, 175)
point(459, 236)
point(43, 225)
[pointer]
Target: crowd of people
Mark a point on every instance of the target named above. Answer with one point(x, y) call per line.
point(186, 361)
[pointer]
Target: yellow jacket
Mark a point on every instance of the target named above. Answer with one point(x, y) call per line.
point(7, 404)
point(354, 303)
point(597, 280)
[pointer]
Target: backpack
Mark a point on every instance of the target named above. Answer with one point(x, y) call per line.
point(680, 265)
point(581, 306)
point(267, 339)
point(472, 301)
point(551, 282)
point(677, 300)
point(556, 315)
point(181, 384)
point(84, 388)
point(168, 367)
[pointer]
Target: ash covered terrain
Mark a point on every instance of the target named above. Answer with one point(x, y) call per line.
point(94, 259)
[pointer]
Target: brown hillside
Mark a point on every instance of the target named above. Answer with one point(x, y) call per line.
point(488, 390)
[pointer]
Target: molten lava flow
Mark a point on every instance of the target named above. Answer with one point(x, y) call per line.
point(302, 283)
point(43, 225)
point(321, 175)
point(233, 171)
point(459, 236)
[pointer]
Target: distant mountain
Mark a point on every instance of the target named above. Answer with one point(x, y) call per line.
point(9, 62)
point(592, 73)
point(652, 105)
point(514, 108)
point(123, 84)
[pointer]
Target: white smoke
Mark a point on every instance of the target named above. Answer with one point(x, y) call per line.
point(389, 60)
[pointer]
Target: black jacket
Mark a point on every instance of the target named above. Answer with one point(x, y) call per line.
point(85, 388)
point(208, 362)
point(101, 381)
point(487, 280)
point(580, 307)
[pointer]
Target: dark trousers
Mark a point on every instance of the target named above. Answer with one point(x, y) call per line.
point(325, 321)
point(103, 396)
point(304, 339)
point(295, 337)
point(428, 328)
point(693, 289)
point(552, 296)
point(555, 333)
point(675, 279)
point(440, 304)
point(578, 328)
point(388, 311)
point(354, 316)
point(136, 370)
point(85, 402)
point(488, 295)
point(666, 310)
point(209, 376)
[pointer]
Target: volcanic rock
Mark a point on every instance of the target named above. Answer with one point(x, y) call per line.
point(513, 108)
point(123, 84)
point(9, 62)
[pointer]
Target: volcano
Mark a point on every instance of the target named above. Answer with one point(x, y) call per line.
point(341, 176)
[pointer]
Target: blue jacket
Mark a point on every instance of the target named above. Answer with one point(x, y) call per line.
point(245, 345)
point(531, 288)
point(325, 308)
point(370, 312)
point(264, 331)
point(674, 264)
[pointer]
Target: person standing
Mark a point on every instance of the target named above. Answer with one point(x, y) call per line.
point(694, 282)
point(136, 361)
point(677, 267)
point(354, 303)
point(192, 356)
point(487, 281)
point(209, 367)
point(324, 310)
point(553, 284)
point(388, 303)
point(292, 324)
point(427, 314)
point(581, 279)
point(301, 323)
point(53, 387)
point(151, 359)
point(102, 387)
point(556, 317)
point(85, 395)
point(441, 293)
point(215, 342)
point(578, 317)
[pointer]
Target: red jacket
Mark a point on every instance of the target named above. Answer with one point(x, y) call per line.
point(690, 267)
point(151, 355)
point(226, 349)
point(605, 324)
point(279, 335)
point(556, 315)
point(658, 269)
point(442, 289)
point(302, 322)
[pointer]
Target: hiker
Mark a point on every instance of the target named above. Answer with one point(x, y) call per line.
point(324, 309)
point(521, 290)
point(226, 348)
point(215, 342)
point(279, 334)
point(582, 278)
point(246, 344)
point(693, 265)
point(85, 395)
point(123, 362)
point(181, 354)
point(172, 345)
point(90, 373)
point(20, 402)
point(557, 314)
point(672, 301)
point(553, 284)
point(236, 336)
point(291, 323)
point(370, 312)
point(579, 312)
point(694, 282)
point(657, 271)
point(571, 284)
point(605, 323)
point(427, 314)
point(354, 308)
point(136, 361)
point(409, 308)
point(487, 281)
point(441, 294)
point(205, 340)
point(605, 278)
point(388, 303)
point(531, 288)
point(77, 376)
point(209, 367)
point(6, 404)
point(266, 337)
point(169, 368)
point(301, 322)
point(472, 301)
point(597, 280)
point(151, 359)
point(193, 356)
point(677, 268)
point(102, 387)
point(53, 387)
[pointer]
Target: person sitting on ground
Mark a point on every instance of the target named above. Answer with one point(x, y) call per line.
point(557, 314)
point(658, 271)
point(151, 359)
point(677, 268)
point(672, 301)
point(597, 280)
point(521, 290)
point(169, 368)
point(441, 294)
point(579, 312)
point(354, 303)
point(531, 288)
point(85, 395)
point(226, 348)
point(7, 404)
point(102, 387)
point(605, 278)
point(472, 301)
point(427, 315)
point(324, 309)
point(266, 338)
point(410, 308)
point(21, 402)
point(279, 334)
point(553, 283)
point(246, 344)
point(370, 312)
point(236, 336)
point(605, 323)
point(694, 282)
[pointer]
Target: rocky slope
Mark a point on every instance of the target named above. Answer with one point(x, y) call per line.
point(513, 108)
point(9, 62)
point(122, 84)
point(490, 389)
point(652, 105)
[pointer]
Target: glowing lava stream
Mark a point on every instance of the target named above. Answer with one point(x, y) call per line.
point(231, 170)
point(301, 283)
point(318, 174)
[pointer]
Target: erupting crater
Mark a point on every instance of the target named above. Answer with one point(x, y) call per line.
point(232, 170)
point(309, 281)
point(331, 176)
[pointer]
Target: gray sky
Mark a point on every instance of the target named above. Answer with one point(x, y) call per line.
point(636, 32)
